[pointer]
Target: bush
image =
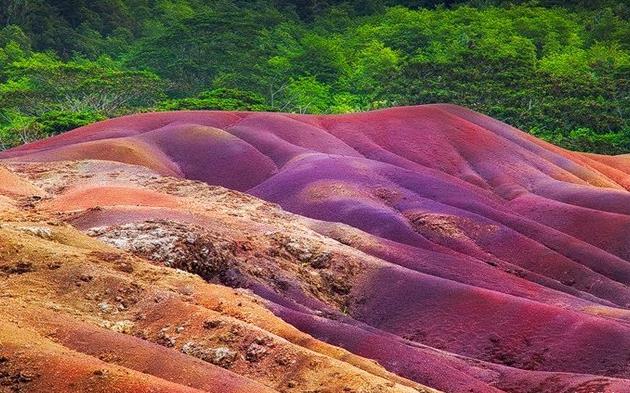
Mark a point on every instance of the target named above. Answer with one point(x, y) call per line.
point(55, 122)
point(218, 99)
point(585, 139)
point(17, 128)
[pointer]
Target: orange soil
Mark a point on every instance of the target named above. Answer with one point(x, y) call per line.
point(78, 315)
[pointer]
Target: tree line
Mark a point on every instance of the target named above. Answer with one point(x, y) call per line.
point(558, 71)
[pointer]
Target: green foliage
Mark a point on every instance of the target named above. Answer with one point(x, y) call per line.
point(55, 122)
point(192, 49)
point(307, 95)
point(584, 139)
point(557, 69)
point(41, 81)
point(218, 99)
point(16, 128)
point(41, 94)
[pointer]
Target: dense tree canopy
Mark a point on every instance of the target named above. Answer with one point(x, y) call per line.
point(559, 71)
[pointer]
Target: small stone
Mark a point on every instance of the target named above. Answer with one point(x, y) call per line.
point(321, 261)
point(85, 277)
point(220, 356)
point(223, 357)
point(125, 267)
point(124, 326)
point(255, 352)
point(305, 256)
point(211, 323)
point(25, 377)
point(284, 360)
point(54, 265)
point(165, 339)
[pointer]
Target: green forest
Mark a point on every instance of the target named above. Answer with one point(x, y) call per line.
point(557, 69)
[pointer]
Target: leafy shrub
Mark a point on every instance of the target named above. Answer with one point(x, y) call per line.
point(16, 129)
point(584, 139)
point(218, 99)
point(557, 67)
point(55, 122)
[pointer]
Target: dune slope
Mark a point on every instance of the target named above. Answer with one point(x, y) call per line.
point(456, 251)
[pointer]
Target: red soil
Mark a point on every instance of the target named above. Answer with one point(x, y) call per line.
point(474, 257)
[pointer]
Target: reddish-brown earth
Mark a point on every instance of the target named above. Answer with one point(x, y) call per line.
point(453, 250)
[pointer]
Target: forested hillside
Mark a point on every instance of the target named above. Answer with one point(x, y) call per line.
point(558, 71)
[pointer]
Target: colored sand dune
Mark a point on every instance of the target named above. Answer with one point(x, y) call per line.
point(454, 250)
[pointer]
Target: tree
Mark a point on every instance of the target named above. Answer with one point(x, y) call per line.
point(42, 82)
point(307, 95)
point(218, 99)
point(548, 67)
